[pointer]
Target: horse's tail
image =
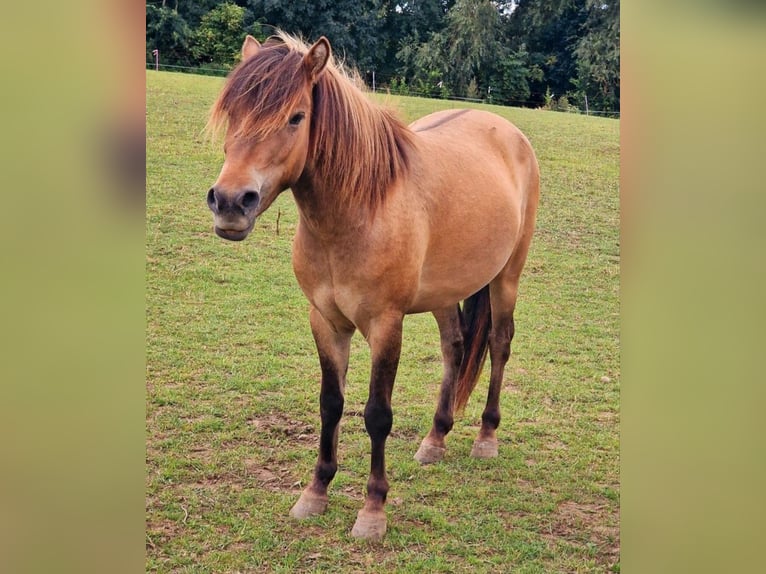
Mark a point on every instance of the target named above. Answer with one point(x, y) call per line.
point(475, 322)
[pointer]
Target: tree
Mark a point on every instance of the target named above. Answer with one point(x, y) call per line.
point(510, 82)
point(520, 49)
point(425, 65)
point(416, 20)
point(350, 25)
point(193, 10)
point(598, 55)
point(168, 32)
point(218, 38)
point(472, 42)
point(549, 30)
point(469, 55)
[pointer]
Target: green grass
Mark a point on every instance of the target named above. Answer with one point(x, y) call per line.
point(232, 381)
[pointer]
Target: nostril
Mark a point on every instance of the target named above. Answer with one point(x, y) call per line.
point(211, 200)
point(250, 199)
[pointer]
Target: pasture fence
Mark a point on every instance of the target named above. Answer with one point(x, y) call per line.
point(494, 97)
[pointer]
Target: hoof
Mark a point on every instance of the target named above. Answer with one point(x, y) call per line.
point(308, 505)
point(370, 525)
point(428, 453)
point(484, 448)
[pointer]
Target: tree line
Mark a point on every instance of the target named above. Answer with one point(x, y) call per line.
point(560, 54)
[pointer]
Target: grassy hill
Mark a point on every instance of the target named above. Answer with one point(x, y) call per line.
point(232, 381)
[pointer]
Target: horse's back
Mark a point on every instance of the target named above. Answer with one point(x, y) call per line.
point(478, 150)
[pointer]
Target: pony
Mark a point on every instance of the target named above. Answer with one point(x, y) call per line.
point(393, 220)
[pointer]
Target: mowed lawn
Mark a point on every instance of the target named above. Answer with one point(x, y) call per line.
point(232, 381)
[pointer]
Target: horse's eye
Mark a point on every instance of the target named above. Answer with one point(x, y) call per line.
point(297, 118)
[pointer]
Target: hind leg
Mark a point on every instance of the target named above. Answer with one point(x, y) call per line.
point(503, 292)
point(433, 447)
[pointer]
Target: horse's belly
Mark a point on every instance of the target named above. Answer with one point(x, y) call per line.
point(445, 281)
point(470, 243)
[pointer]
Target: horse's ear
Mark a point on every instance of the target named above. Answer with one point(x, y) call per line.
point(317, 57)
point(250, 47)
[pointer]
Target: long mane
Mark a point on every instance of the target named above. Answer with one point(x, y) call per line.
point(357, 148)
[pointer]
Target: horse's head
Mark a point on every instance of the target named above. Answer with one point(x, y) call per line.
point(266, 106)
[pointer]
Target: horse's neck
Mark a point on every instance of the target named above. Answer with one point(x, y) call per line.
point(347, 181)
point(320, 208)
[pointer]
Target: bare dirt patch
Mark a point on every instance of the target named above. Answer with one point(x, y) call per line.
point(159, 532)
point(512, 388)
point(281, 427)
point(588, 525)
point(272, 478)
point(607, 418)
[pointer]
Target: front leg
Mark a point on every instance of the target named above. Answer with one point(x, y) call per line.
point(333, 349)
point(385, 340)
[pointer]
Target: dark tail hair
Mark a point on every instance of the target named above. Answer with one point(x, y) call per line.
point(475, 322)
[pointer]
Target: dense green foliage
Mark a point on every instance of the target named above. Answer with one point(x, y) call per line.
point(510, 52)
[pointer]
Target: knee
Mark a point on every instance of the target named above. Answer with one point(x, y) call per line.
point(457, 349)
point(378, 419)
point(500, 346)
point(331, 407)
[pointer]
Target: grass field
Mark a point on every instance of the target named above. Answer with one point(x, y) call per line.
point(232, 381)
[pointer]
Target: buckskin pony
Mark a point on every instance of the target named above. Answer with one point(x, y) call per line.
point(393, 220)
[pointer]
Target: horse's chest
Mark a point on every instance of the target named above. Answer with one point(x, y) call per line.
point(362, 274)
point(324, 283)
